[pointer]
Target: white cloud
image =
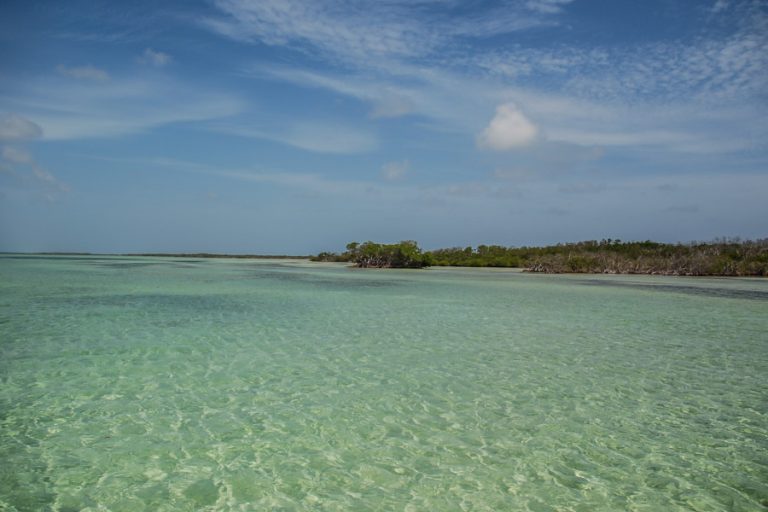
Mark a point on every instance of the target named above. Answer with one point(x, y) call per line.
point(15, 127)
point(509, 129)
point(16, 155)
point(395, 170)
point(84, 73)
point(154, 58)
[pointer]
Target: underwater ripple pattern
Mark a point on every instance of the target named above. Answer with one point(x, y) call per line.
point(132, 384)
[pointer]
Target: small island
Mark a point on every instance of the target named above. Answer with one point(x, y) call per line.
point(721, 257)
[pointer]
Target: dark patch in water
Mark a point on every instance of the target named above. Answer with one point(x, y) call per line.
point(155, 302)
point(11, 257)
point(107, 262)
point(29, 257)
point(725, 293)
point(132, 264)
point(324, 282)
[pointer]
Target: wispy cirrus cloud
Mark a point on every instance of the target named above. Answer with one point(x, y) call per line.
point(340, 29)
point(387, 100)
point(455, 103)
point(19, 163)
point(15, 155)
point(461, 104)
point(16, 127)
point(369, 32)
point(547, 6)
point(65, 110)
point(673, 95)
point(319, 137)
point(51, 185)
point(720, 5)
point(395, 170)
point(712, 70)
point(717, 65)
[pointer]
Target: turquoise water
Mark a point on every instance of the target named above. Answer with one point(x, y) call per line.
point(132, 384)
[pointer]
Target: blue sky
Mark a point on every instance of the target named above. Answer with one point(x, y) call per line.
point(280, 126)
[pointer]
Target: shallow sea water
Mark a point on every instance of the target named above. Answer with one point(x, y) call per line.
point(165, 384)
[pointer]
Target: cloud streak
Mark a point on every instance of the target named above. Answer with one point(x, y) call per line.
point(30, 174)
point(16, 127)
point(370, 32)
point(15, 155)
point(315, 136)
point(154, 58)
point(395, 170)
point(64, 111)
point(84, 73)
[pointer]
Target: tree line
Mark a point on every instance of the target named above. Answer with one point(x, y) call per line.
point(721, 257)
point(405, 254)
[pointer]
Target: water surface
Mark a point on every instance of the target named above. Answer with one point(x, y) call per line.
point(165, 384)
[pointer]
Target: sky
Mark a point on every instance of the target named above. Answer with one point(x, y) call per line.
point(294, 127)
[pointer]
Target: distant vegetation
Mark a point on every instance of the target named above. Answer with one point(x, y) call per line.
point(406, 254)
point(722, 257)
point(215, 255)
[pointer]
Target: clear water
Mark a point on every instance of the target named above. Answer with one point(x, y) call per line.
point(132, 384)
